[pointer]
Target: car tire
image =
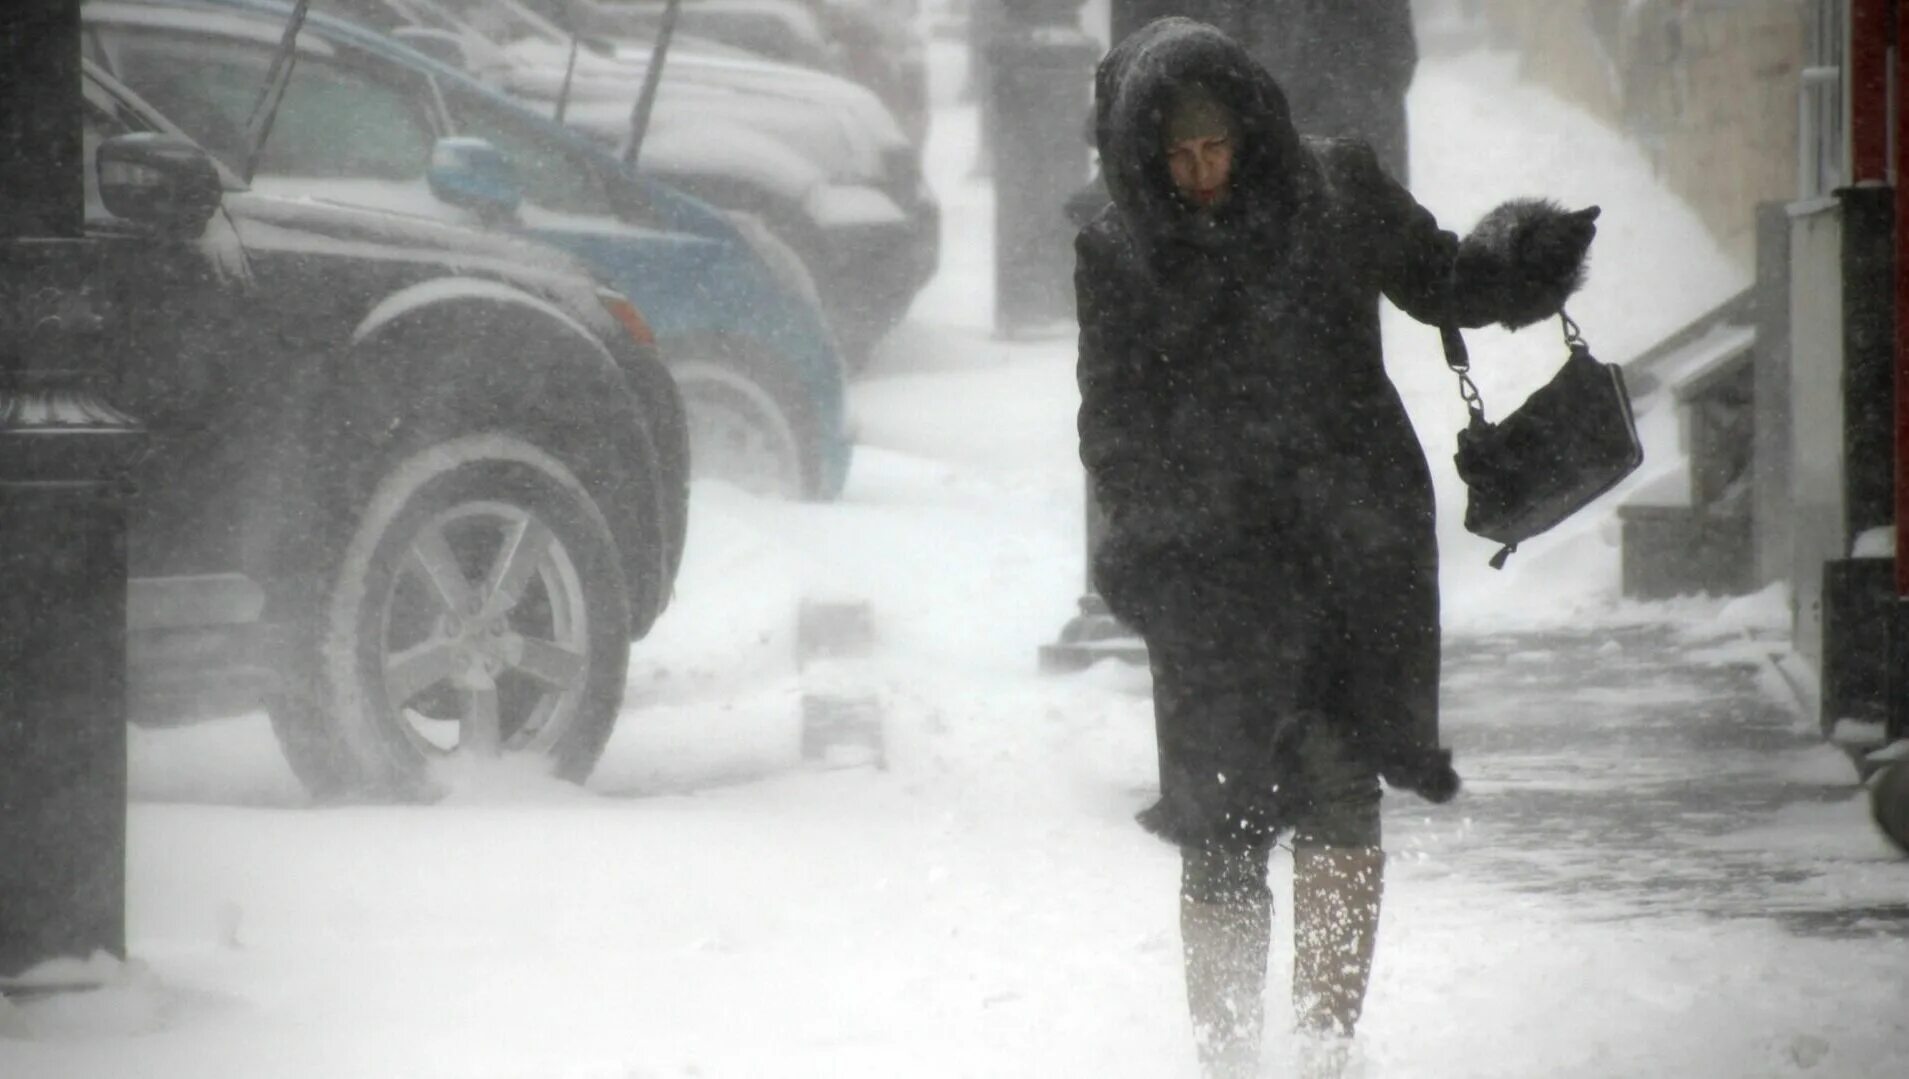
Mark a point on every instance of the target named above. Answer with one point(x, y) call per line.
point(741, 433)
point(474, 605)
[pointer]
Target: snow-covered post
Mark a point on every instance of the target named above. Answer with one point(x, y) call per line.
point(63, 453)
point(1041, 78)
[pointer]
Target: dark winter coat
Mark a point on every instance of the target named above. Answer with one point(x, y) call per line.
point(1270, 511)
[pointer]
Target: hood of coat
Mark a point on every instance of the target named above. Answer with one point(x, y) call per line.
point(1134, 91)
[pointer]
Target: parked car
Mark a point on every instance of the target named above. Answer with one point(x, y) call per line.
point(415, 488)
point(734, 310)
point(820, 159)
point(784, 30)
point(866, 45)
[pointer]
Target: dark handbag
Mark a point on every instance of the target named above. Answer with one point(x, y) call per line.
point(1571, 441)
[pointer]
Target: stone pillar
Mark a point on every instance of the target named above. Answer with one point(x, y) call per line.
point(1041, 82)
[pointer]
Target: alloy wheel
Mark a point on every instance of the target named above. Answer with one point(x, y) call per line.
point(485, 638)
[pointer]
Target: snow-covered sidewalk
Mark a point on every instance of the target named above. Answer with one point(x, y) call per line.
point(1654, 871)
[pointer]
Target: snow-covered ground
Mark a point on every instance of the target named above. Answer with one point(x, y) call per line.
point(1608, 900)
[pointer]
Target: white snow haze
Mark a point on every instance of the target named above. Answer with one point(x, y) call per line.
point(1608, 898)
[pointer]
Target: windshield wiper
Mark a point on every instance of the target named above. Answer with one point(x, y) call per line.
point(258, 127)
point(645, 101)
point(569, 72)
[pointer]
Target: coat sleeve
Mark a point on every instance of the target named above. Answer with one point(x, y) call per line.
point(1119, 431)
point(1516, 267)
point(1411, 257)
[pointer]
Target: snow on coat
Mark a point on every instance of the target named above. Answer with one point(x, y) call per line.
point(1270, 510)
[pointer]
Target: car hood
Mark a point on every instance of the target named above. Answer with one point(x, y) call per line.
point(817, 136)
point(412, 202)
point(340, 226)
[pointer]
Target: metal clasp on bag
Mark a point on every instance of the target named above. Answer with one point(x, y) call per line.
point(1573, 339)
point(1458, 358)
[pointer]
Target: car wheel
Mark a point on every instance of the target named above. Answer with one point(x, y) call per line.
point(475, 607)
point(738, 432)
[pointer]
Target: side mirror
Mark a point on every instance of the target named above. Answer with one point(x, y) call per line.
point(441, 45)
point(474, 174)
point(160, 180)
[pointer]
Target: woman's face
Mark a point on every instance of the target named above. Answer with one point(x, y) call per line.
point(1201, 167)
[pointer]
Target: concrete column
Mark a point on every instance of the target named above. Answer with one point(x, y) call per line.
point(1041, 79)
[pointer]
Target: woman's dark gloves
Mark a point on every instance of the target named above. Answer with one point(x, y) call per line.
point(1521, 262)
point(1554, 244)
point(1427, 773)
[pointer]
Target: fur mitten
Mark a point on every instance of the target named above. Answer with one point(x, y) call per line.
point(1522, 261)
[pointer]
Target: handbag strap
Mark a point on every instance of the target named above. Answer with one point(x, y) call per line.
point(1458, 358)
point(1573, 339)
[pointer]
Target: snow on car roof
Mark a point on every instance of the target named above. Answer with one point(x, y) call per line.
point(199, 20)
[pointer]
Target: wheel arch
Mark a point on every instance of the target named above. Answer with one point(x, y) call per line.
point(818, 426)
point(462, 354)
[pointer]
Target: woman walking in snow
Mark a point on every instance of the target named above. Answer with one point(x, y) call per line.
point(1270, 511)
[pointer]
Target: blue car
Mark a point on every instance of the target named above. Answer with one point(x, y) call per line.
point(368, 121)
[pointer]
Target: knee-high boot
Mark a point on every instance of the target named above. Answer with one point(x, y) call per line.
point(1336, 897)
point(1225, 946)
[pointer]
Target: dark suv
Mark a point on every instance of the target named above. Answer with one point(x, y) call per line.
point(414, 488)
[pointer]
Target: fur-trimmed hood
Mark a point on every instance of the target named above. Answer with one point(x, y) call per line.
point(1272, 177)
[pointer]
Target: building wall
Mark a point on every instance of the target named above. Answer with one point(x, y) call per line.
point(1708, 88)
point(1816, 465)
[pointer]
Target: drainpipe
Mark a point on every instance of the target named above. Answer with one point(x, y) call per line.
point(1889, 787)
point(1895, 122)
